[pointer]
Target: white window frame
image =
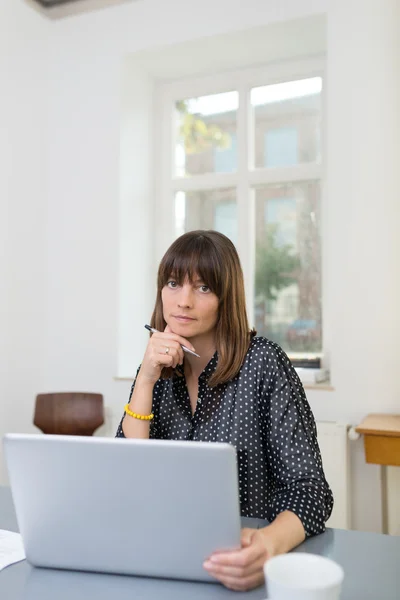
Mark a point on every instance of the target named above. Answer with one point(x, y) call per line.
point(245, 177)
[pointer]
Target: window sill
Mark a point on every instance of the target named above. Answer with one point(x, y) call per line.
point(325, 386)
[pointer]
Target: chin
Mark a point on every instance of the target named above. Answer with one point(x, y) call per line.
point(186, 329)
point(186, 326)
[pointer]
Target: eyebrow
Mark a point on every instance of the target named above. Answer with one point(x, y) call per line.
point(198, 280)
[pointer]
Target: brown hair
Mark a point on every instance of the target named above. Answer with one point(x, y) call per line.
point(213, 257)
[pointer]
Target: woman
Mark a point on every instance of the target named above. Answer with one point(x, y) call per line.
point(242, 390)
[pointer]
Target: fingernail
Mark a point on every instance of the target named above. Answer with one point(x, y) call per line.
point(214, 559)
point(207, 564)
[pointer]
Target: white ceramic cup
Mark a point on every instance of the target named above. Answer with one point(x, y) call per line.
point(302, 576)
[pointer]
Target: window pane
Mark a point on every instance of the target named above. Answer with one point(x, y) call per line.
point(287, 123)
point(288, 266)
point(206, 134)
point(215, 209)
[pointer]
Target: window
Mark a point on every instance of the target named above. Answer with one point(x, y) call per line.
point(210, 209)
point(225, 159)
point(288, 274)
point(243, 156)
point(280, 148)
point(206, 134)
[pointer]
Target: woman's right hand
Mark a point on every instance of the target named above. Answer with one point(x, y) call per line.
point(163, 350)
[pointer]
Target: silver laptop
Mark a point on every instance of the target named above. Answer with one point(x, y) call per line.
point(140, 507)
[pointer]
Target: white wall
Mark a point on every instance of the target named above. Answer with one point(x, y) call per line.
point(88, 53)
point(23, 206)
point(65, 337)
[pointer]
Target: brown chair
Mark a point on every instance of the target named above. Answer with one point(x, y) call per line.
point(69, 413)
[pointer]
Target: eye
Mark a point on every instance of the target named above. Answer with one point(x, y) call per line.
point(172, 284)
point(204, 289)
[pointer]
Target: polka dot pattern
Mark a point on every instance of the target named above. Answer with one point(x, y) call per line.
point(265, 414)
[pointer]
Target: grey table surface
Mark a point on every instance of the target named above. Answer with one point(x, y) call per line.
point(371, 563)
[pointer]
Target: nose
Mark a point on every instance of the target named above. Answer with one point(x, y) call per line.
point(185, 299)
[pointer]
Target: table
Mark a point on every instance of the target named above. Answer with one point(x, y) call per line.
point(371, 563)
point(382, 447)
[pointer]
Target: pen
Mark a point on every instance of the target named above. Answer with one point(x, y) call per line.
point(183, 347)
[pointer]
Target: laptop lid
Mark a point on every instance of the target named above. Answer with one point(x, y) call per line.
point(140, 507)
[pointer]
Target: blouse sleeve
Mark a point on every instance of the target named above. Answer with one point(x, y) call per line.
point(153, 424)
point(292, 450)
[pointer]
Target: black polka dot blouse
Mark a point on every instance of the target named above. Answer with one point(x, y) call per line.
point(265, 414)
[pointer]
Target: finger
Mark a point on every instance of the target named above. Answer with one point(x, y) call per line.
point(167, 349)
point(176, 355)
point(161, 344)
point(174, 336)
point(164, 360)
point(238, 558)
point(175, 352)
point(233, 571)
point(242, 584)
point(244, 565)
point(181, 355)
point(165, 346)
point(246, 539)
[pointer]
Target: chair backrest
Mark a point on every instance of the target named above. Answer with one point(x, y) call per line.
point(69, 413)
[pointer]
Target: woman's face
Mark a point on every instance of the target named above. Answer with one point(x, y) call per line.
point(190, 309)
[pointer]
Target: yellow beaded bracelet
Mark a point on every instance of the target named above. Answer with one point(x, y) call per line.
point(136, 416)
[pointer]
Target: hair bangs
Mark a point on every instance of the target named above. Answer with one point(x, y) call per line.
point(192, 258)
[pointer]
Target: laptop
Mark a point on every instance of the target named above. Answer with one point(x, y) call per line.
point(138, 507)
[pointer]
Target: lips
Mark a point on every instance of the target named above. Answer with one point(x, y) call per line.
point(183, 318)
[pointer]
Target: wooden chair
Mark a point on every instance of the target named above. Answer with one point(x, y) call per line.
point(69, 413)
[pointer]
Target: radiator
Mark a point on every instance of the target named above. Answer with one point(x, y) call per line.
point(334, 444)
